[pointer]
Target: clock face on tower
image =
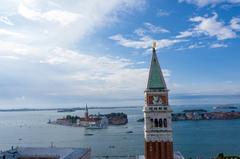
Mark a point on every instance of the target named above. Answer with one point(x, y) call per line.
point(155, 100)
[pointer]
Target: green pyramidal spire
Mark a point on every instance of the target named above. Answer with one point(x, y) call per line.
point(156, 79)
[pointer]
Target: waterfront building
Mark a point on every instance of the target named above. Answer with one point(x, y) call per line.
point(157, 114)
point(46, 153)
point(93, 121)
point(85, 122)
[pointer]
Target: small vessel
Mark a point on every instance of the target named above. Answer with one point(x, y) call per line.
point(94, 127)
point(88, 134)
point(97, 126)
point(111, 146)
point(129, 132)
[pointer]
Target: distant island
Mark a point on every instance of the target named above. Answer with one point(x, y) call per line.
point(227, 106)
point(204, 115)
point(98, 121)
point(201, 114)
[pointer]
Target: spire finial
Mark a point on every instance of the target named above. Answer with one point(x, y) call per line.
point(154, 45)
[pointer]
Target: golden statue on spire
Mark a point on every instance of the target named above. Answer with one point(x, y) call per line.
point(154, 44)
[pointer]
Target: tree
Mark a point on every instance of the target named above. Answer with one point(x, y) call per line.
point(220, 156)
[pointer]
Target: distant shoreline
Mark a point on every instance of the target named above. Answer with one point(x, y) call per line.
point(56, 109)
point(201, 114)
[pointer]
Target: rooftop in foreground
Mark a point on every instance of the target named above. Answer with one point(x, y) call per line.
point(46, 153)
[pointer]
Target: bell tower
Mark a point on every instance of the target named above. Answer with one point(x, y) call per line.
point(86, 113)
point(157, 114)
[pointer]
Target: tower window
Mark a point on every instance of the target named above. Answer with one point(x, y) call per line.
point(160, 123)
point(151, 120)
point(165, 123)
point(156, 122)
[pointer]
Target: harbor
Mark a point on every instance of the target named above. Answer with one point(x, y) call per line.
point(33, 130)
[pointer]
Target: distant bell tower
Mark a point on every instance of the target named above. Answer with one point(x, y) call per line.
point(157, 114)
point(86, 112)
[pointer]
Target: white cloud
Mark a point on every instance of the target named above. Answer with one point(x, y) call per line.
point(8, 7)
point(72, 73)
point(103, 75)
point(155, 29)
point(163, 43)
point(191, 46)
point(150, 29)
point(185, 34)
point(9, 57)
point(73, 20)
point(41, 64)
point(218, 45)
point(210, 26)
point(162, 13)
point(144, 42)
point(166, 73)
point(5, 20)
point(12, 48)
point(140, 31)
point(9, 33)
point(235, 24)
point(58, 56)
point(202, 3)
point(195, 46)
point(62, 17)
point(54, 23)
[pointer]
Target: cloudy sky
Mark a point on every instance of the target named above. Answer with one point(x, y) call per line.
point(65, 53)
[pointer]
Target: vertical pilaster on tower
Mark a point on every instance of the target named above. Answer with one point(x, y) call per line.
point(157, 114)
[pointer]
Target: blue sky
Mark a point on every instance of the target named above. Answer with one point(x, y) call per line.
point(63, 53)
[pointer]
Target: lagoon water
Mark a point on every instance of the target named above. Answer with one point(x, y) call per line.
point(191, 138)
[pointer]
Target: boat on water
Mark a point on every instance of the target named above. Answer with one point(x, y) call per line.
point(102, 124)
point(129, 132)
point(88, 134)
point(96, 126)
